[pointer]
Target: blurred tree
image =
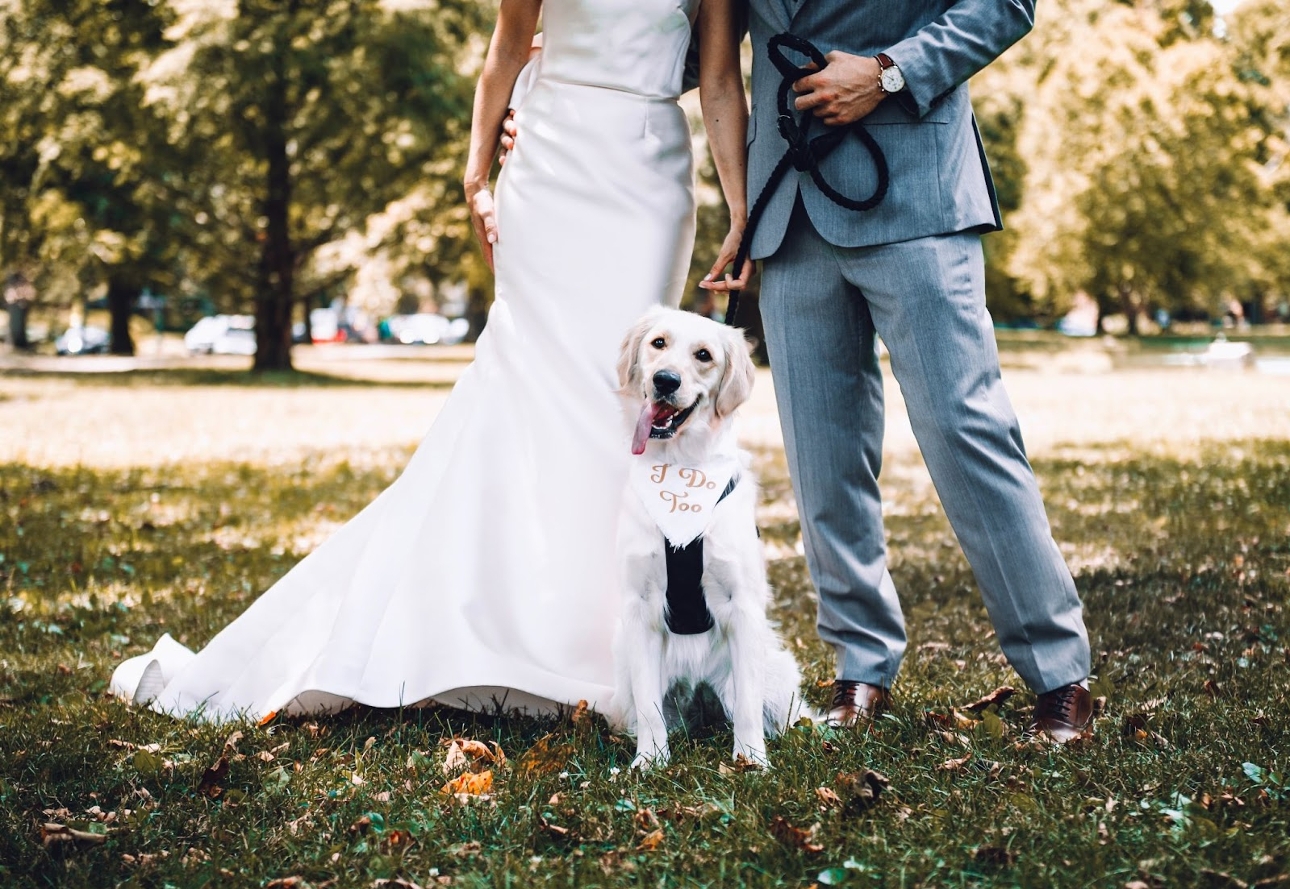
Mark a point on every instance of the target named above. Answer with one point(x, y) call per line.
point(309, 115)
point(1144, 186)
point(27, 65)
point(113, 161)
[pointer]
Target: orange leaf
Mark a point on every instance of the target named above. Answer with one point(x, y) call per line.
point(470, 784)
point(651, 841)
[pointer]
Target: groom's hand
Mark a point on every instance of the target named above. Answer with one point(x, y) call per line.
point(843, 92)
point(509, 132)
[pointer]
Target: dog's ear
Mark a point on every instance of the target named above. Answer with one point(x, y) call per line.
point(737, 380)
point(629, 354)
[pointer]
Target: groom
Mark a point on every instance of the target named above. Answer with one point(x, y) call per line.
point(912, 272)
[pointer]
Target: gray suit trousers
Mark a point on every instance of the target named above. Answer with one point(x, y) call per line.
point(822, 306)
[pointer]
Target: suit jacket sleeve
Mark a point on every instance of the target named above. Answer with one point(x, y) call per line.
point(949, 50)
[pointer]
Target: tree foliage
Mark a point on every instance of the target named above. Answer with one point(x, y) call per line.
point(1147, 152)
point(275, 154)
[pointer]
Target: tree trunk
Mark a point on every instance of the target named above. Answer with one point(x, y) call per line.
point(121, 298)
point(17, 295)
point(308, 305)
point(274, 300)
point(1130, 308)
point(18, 340)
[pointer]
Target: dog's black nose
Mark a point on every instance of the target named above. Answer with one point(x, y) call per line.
point(666, 382)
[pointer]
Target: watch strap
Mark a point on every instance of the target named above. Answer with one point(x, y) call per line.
point(884, 61)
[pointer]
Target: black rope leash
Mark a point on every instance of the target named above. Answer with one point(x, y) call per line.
point(804, 154)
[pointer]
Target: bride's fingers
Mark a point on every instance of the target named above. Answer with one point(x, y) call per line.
point(509, 131)
point(710, 281)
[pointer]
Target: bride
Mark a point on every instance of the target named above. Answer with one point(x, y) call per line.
point(484, 576)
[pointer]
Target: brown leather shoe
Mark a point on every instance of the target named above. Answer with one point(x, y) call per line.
point(1063, 714)
point(856, 702)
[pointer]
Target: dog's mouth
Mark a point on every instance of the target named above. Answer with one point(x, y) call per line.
point(659, 420)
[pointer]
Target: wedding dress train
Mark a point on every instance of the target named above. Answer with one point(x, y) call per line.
point(485, 573)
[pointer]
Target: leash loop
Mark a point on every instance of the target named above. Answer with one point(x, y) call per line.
point(803, 153)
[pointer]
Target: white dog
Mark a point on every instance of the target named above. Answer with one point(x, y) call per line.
point(694, 577)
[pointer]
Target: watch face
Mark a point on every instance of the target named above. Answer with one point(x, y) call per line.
point(892, 80)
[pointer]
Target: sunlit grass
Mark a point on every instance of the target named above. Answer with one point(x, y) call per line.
point(1181, 543)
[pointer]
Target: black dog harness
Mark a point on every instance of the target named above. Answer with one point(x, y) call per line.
point(804, 154)
point(687, 611)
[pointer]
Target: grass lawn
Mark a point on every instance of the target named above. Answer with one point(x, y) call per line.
point(137, 504)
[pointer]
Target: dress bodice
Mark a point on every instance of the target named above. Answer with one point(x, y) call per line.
point(637, 46)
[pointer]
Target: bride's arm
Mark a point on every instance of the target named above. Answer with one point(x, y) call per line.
point(725, 115)
point(508, 51)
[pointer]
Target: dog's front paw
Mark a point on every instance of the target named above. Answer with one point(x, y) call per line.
point(754, 754)
point(646, 760)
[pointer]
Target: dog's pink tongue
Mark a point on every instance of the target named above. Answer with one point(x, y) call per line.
point(643, 424)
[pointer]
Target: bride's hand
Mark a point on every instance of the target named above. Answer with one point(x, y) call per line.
point(728, 251)
point(483, 217)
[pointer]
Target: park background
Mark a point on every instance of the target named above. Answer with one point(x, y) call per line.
point(165, 160)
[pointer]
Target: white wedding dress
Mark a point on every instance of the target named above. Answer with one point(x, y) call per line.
point(485, 574)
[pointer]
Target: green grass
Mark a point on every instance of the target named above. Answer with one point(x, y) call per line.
point(1183, 563)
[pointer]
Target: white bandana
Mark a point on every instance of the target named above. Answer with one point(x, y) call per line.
point(681, 498)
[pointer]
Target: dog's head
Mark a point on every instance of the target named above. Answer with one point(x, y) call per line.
point(683, 371)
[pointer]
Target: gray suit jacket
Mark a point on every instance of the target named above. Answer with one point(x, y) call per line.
point(940, 181)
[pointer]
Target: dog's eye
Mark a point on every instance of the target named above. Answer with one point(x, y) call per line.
point(703, 355)
point(659, 343)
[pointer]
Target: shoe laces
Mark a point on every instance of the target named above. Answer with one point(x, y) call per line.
point(1063, 701)
point(844, 692)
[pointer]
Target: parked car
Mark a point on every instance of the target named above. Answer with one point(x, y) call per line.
point(426, 328)
point(82, 341)
point(222, 335)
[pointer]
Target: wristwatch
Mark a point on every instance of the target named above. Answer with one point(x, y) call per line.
point(890, 79)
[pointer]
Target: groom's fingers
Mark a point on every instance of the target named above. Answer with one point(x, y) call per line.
point(809, 100)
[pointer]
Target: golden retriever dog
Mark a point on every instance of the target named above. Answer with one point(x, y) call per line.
point(693, 626)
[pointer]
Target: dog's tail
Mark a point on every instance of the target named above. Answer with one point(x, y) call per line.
point(784, 703)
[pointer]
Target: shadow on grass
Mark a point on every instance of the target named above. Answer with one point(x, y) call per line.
point(1184, 566)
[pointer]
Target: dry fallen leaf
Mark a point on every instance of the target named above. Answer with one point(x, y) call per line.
point(466, 753)
point(212, 783)
point(546, 756)
point(651, 841)
point(293, 882)
point(53, 834)
point(741, 764)
point(795, 836)
point(997, 856)
point(555, 829)
point(470, 784)
point(1136, 727)
point(828, 798)
point(861, 789)
point(954, 765)
point(994, 698)
point(396, 883)
point(580, 714)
